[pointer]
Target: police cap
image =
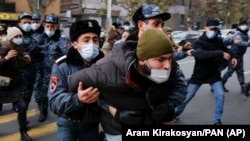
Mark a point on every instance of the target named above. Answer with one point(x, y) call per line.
point(36, 16)
point(51, 19)
point(24, 15)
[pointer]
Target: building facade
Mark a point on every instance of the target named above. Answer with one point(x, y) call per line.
point(10, 9)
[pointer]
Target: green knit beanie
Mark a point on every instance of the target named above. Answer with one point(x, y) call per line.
point(153, 43)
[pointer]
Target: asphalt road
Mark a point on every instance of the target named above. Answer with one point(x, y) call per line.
point(198, 112)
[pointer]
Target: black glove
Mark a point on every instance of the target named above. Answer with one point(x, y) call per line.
point(128, 116)
point(163, 112)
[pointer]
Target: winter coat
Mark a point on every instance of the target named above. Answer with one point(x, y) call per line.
point(208, 56)
point(238, 50)
point(64, 103)
point(11, 68)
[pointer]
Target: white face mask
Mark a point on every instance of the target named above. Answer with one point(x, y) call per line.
point(17, 41)
point(243, 27)
point(89, 51)
point(35, 26)
point(159, 76)
point(126, 27)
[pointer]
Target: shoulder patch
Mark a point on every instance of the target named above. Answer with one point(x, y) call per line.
point(53, 84)
point(60, 60)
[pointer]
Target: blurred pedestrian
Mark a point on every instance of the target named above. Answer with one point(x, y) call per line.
point(12, 60)
point(209, 53)
point(238, 50)
point(125, 35)
point(110, 40)
point(182, 49)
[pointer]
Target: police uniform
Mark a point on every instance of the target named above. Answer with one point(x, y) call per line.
point(53, 48)
point(28, 73)
point(76, 121)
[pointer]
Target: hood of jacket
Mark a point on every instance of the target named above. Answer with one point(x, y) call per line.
point(124, 55)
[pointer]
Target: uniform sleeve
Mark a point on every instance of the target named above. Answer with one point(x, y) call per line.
point(65, 45)
point(178, 95)
point(60, 100)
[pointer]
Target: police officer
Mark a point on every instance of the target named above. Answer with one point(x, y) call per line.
point(30, 45)
point(54, 47)
point(37, 34)
point(74, 123)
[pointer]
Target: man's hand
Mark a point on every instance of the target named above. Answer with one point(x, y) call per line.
point(237, 41)
point(190, 52)
point(188, 45)
point(226, 55)
point(234, 62)
point(28, 58)
point(89, 95)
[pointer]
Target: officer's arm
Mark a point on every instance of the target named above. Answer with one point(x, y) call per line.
point(60, 100)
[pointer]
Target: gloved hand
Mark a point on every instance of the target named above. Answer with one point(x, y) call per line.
point(163, 112)
point(129, 116)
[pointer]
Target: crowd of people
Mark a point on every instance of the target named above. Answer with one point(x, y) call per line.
point(97, 81)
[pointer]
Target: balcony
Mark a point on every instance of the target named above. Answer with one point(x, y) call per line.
point(8, 7)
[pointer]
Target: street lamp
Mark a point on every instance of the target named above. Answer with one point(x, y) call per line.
point(109, 20)
point(228, 14)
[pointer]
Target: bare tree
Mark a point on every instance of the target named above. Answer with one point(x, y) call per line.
point(39, 6)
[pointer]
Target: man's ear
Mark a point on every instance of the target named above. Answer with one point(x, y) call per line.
point(140, 24)
point(74, 44)
point(141, 62)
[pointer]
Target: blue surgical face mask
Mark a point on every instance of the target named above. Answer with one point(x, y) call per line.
point(17, 41)
point(243, 27)
point(89, 51)
point(211, 34)
point(26, 27)
point(49, 33)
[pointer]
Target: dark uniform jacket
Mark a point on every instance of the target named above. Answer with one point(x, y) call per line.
point(64, 103)
point(123, 87)
point(208, 56)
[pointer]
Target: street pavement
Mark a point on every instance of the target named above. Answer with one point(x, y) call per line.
point(198, 112)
